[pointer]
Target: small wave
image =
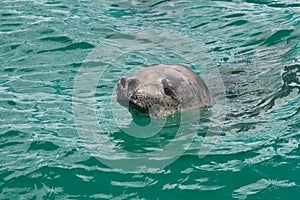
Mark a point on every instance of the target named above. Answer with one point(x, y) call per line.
point(42, 145)
point(60, 39)
point(75, 46)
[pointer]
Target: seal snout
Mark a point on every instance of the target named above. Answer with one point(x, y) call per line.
point(126, 91)
point(129, 83)
point(137, 102)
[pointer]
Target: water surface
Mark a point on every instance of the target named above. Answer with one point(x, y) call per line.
point(246, 50)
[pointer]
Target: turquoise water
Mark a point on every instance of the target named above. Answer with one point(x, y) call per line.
point(63, 136)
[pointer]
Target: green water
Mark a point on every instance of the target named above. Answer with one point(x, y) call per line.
point(63, 136)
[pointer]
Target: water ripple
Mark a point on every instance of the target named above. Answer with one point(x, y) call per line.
point(43, 47)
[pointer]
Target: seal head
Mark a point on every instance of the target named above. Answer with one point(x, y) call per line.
point(162, 90)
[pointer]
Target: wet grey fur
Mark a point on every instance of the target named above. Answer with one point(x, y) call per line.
point(163, 90)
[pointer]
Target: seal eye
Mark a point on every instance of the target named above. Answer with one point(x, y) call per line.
point(168, 91)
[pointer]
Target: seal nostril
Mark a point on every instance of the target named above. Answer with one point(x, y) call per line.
point(122, 82)
point(131, 83)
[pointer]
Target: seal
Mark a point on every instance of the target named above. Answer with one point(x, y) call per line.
point(162, 90)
